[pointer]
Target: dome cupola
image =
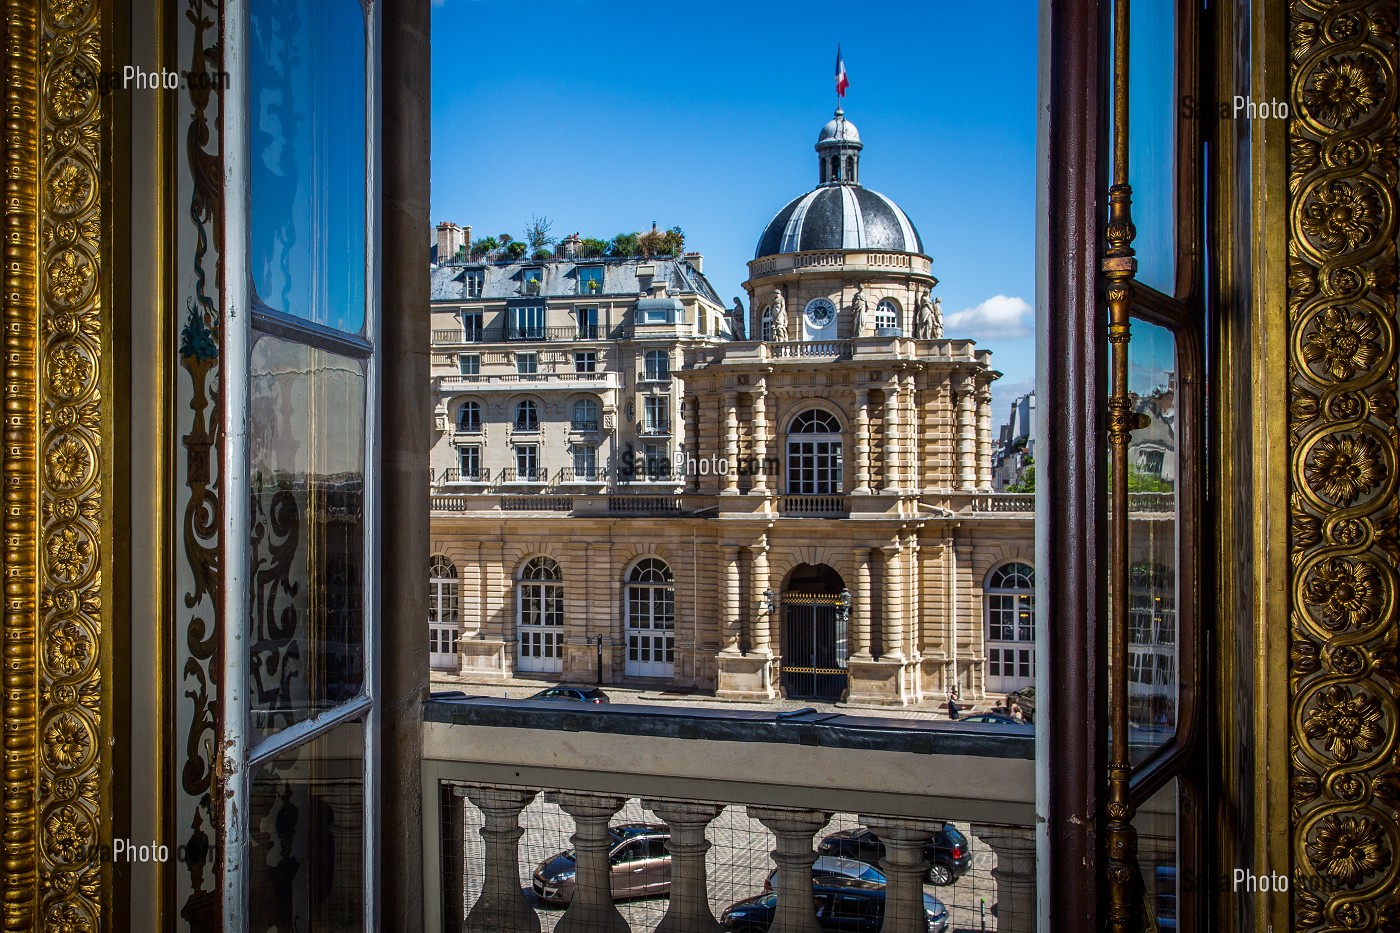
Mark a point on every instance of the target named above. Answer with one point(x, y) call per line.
point(838, 152)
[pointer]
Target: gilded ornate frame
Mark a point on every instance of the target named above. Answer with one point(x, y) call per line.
point(61, 465)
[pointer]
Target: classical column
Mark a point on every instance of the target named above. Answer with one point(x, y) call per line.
point(731, 619)
point(913, 630)
point(691, 410)
point(760, 435)
point(893, 629)
point(1014, 874)
point(689, 907)
point(904, 868)
point(891, 444)
point(913, 434)
point(862, 443)
point(967, 441)
point(794, 856)
point(731, 443)
point(762, 622)
point(502, 907)
point(592, 909)
point(984, 438)
point(858, 637)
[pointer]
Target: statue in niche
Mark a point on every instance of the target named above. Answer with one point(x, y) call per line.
point(928, 321)
point(779, 319)
point(858, 312)
point(736, 320)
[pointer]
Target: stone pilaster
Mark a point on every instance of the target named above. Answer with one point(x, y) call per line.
point(502, 907)
point(760, 436)
point(966, 435)
point(904, 868)
point(794, 856)
point(731, 443)
point(592, 909)
point(891, 445)
point(762, 621)
point(862, 443)
point(689, 908)
point(984, 438)
point(858, 637)
point(731, 618)
point(1014, 874)
point(893, 622)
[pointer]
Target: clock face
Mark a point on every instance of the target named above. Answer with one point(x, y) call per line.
point(820, 312)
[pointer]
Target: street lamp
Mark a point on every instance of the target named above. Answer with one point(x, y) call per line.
point(843, 607)
point(767, 607)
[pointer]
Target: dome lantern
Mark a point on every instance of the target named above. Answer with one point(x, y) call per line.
point(838, 152)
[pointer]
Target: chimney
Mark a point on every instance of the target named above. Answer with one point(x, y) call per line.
point(449, 237)
point(696, 260)
point(568, 247)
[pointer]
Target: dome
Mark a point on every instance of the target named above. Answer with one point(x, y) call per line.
point(840, 129)
point(842, 216)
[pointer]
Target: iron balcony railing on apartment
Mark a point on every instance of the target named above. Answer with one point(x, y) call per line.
point(515, 475)
point(585, 426)
point(513, 333)
point(457, 475)
point(654, 428)
point(576, 475)
point(594, 380)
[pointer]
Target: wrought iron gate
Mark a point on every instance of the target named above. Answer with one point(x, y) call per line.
point(814, 646)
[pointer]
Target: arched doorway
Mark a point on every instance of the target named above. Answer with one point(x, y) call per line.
point(816, 606)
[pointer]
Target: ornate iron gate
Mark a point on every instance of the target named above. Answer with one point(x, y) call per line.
point(814, 646)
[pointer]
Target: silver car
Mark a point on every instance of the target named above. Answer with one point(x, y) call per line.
point(640, 866)
point(833, 866)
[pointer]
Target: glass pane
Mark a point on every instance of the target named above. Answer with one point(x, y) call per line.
point(1152, 542)
point(306, 457)
point(1158, 855)
point(308, 164)
point(1153, 107)
point(307, 841)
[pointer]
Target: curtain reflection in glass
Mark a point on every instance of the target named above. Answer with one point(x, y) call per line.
point(307, 106)
point(306, 446)
point(306, 827)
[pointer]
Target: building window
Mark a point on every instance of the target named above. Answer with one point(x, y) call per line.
point(656, 414)
point(469, 462)
point(473, 280)
point(585, 415)
point(651, 620)
point(527, 462)
point(534, 281)
point(586, 361)
point(526, 323)
point(765, 324)
point(527, 364)
point(539, 616)
point(657, 366)
point(886, 316)
point(585, 461)
point(443, 614)
point(527, 416)
point(469, 364)
point(469, 418)
point(587, 323)
point(471, 326)
point(1010, 609)
point(658, 461)
point(590, 280)
point(814, 454)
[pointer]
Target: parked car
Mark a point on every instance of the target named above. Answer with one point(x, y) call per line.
point(571, 692)
point(852, 906)
point(997, 718)
point(949, 855)
point(832, 866)
point(640, 862)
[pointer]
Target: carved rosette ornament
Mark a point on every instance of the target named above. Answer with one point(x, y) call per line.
point(1343, 439)
point(56, 630)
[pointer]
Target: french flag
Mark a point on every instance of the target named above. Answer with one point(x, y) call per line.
point(842, 82)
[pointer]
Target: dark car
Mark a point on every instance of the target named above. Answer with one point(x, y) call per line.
point(999, 719)
point(949, 855)
point(571, 692)
point(639, 863)
point(852, 906)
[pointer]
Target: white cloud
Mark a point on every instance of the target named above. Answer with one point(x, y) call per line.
point(998, 317)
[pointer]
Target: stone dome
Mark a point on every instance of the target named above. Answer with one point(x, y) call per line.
point(839, 128)
point(839, 216)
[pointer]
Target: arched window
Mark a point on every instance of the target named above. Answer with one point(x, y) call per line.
point(886, 315)
point(765, 324)
point(850, 168)
point(651, 619)
point(1009, 597)
point(443, 613)
point(469, 418)
point(585, 415)
point(814, 454)
point(539, 616)
point(527, 416)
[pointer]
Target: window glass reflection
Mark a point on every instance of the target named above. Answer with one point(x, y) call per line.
point(308, 163)
point(306, 457)
point(1152, 117)
point(306, 825)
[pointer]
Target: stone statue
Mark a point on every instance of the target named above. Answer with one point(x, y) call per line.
point(779, 316)
point(923, 318)
point(736, 320)
point(858, 310)
point(936, 331)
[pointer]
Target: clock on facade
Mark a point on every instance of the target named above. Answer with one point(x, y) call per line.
point(820, 313)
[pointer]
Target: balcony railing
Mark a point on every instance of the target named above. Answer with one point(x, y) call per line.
point(644, 505)
point(812, 349)
point(511, 333)
point(536, 504)
point(654, 428)
point(813, 506)
point(514, 475)
point(594, 380)
point(456, 475)
point(585, 426)
point(575, 475)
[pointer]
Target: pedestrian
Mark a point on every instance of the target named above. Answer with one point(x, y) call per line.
point(953, 709)
point(1014, 711)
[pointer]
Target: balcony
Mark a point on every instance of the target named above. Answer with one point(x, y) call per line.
point(654, 429)
point(644, 505)
point(518, 781)
point(512, 333)
point(584, 427)
point(454, 476)
point(514, 475)
point(814, 506)
point(512, 382)
point(573, 475)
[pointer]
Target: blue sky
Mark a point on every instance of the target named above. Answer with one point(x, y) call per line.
point(607, 116)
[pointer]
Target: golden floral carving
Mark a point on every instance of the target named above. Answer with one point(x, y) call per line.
point(1345, 468)
point(1347, 592)
point(70, 184)
point(67, 742)
point(1343, 89)
point(70, 277)
point(69, 648)
point(1346, 723)
point(70, 372)
point(70, 552)
point(1343, 343)
point(68, 832)
point(68, 463)
point(1347, 850)
point(1341, 215)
